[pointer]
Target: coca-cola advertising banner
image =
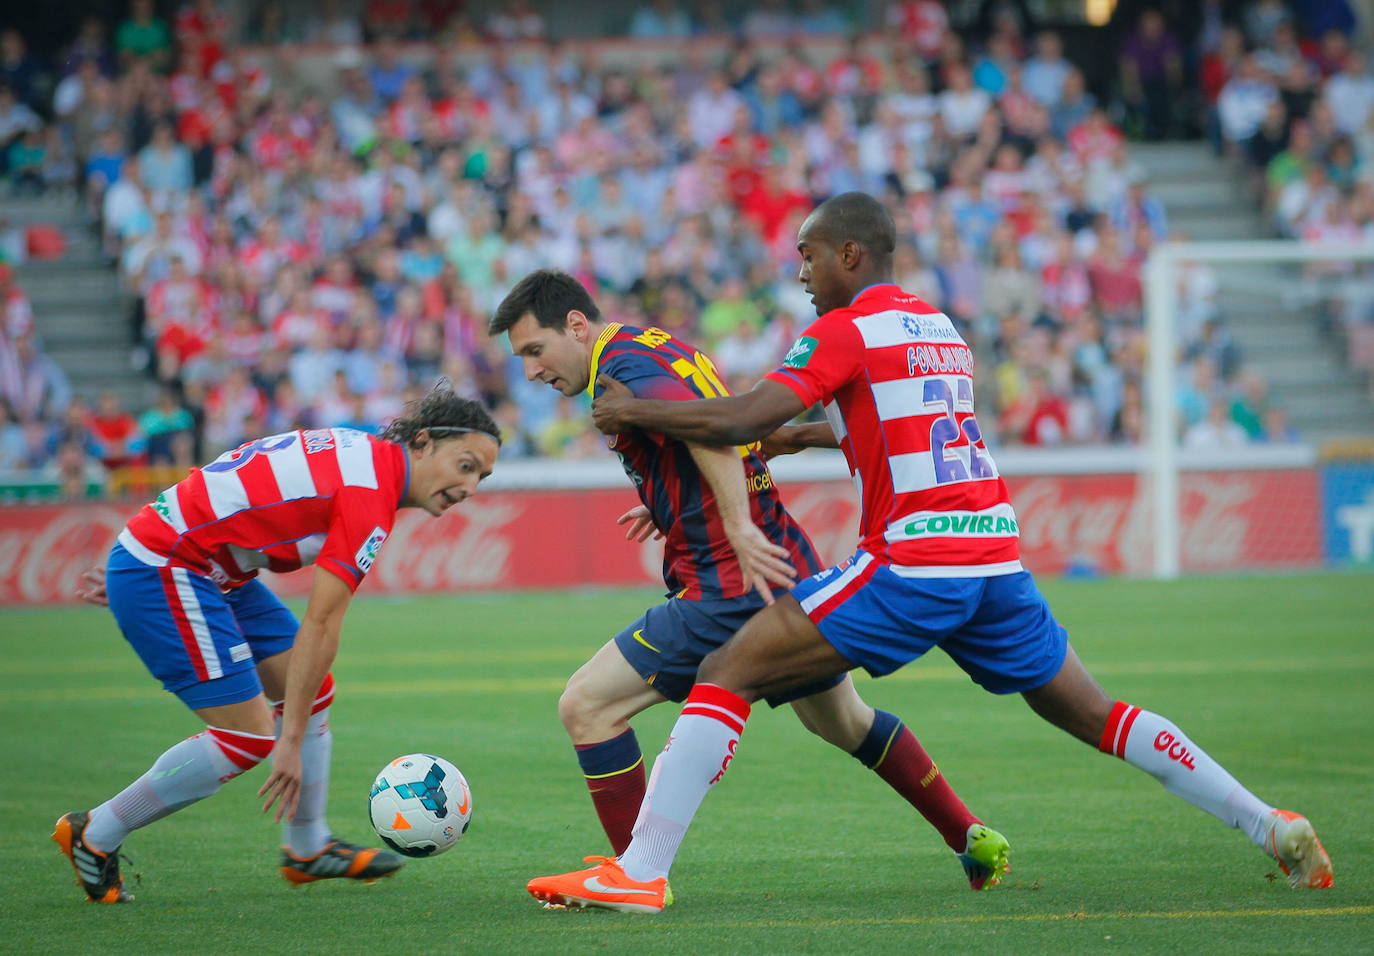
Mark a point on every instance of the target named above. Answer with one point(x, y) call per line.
point(568, 538)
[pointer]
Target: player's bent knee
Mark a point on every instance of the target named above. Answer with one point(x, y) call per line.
point(587, 717)
point(249, 717)
point(571, 705)
point(261, 725)
point(838, 716)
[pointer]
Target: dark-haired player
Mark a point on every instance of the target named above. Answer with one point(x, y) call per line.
point(181, 581)
point(938, 564)
point(728, 541)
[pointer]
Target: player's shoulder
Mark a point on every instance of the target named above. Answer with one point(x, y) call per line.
point(629, 339)
point(889, 315)
point(639, 348)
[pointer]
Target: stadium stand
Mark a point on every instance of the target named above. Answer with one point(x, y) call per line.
point(315, 251)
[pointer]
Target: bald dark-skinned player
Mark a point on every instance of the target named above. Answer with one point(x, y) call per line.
point(938, 563)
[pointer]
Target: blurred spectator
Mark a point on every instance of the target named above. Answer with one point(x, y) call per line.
point(116, 433)
point(33, 384)
point(1046, 72)
point(1038, 416)
point(517, 20)
point(1243, 102)
point(167, 429)
point(165, 164)
point(1350, 94)
point(16, 119)
point(144, 35)
point(1263, 18)
point(660, 19)
point(923, 23)
point(1152, 75)
point(1217, 430)
point(1277, 430)
point(18, 70)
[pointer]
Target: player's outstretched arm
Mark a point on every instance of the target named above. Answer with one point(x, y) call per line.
point(736, 420)
point(312, 654)
point(790, 439)
point(764, 564)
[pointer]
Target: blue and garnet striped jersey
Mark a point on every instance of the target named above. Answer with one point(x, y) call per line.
point(698, 563)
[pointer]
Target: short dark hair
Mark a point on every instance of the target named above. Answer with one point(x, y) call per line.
point(860, 217)
point(445, 414)
point(547, 294)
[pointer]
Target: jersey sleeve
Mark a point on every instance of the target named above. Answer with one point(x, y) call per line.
point(363, 517)
point(646, 376)
point(825, 358)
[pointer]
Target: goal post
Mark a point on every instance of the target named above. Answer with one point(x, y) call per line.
point(1162, 462)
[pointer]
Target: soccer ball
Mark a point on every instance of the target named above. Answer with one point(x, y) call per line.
point(420, 805)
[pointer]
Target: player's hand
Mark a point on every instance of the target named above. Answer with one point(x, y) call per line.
point(610, 407)
point(781, 442)
point(284, 781)
point(765, 565)
point(642, 525)
point(90, 587)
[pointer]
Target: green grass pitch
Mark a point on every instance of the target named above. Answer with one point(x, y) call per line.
point(799, 850)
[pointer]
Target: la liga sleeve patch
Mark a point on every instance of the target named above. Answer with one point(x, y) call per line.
point(367, 554)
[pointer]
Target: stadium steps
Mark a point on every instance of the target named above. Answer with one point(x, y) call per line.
point(80, 310)
point(1280, 337)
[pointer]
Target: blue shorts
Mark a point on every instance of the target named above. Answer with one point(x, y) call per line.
point(666, 645)
point(202, 643)
point(998, 629)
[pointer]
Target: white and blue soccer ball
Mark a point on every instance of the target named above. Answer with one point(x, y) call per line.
point(420, 805)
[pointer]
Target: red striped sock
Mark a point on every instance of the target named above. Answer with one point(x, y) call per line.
point(244, 751)
point(1118, 729)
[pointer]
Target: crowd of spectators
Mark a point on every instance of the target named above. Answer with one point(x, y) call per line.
point(1296, 109)
point(320, 255)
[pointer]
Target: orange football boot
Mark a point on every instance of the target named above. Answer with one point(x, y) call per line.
point(604, 885)
point(1301, 856)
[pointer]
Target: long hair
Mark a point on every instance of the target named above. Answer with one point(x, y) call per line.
point(443, 413)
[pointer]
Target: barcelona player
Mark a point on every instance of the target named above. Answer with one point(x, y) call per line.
point(181, 582)
point(729, 541)
point(938, 564)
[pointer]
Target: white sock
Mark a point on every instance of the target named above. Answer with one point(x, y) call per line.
point(187, 772)
point(307, 833)
point(1153, 744)
point(699, 750)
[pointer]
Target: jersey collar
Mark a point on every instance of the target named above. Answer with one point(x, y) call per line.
point(864, 291)
point(602, 341)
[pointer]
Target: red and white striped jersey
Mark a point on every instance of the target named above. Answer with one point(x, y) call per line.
point(896, 381)
point(324, 496)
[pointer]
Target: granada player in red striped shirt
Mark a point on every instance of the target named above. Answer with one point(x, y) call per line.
point(182, 583)
point(938, 564)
